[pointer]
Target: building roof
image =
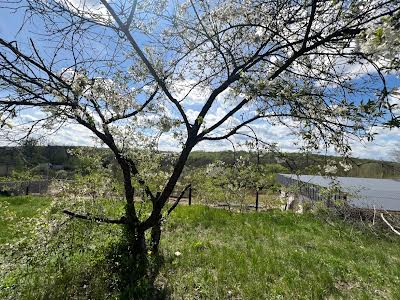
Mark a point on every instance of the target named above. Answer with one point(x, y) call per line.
point(362, 192)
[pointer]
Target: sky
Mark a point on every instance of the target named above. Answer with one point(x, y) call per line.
point(380, 148)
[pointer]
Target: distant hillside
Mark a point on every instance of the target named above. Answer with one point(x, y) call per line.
point(30, 156)
point(302, 163)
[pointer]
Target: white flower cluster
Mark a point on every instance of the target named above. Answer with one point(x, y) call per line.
point(382, 41)
point(346, 167)
point(330, 169)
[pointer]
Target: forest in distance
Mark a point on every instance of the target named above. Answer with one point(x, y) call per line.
point(34, 157)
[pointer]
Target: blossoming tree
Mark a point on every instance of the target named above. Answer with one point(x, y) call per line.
point(127, 70)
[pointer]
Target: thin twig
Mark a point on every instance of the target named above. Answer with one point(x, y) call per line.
point(373, 220)
point(390, 225)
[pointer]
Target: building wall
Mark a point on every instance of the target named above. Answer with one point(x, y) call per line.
point(6, 169)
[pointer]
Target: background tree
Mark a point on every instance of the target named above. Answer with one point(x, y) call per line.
point(127, 71)
point(396, 155)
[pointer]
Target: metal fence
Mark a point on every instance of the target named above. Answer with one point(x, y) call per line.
point(309, 190)
point(186, 196)
point(24, 187)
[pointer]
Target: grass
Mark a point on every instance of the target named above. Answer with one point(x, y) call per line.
point(223, 255)
point(22, 207)
point(267, 200)
point(276, 255)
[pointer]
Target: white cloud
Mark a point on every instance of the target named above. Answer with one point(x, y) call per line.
point(190, 93)
point(89, 8)
point(381, 147)
point(395, 100)
point(67, 134)
point(73, 134)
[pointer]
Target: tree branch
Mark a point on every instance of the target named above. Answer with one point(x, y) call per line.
point(235, 129)
point(132, 13)
point(226, 117)
point(148, 64)
point(134, 113)
point(93, 218)
point(178, 199)
point(18, 54)
point(312, 15)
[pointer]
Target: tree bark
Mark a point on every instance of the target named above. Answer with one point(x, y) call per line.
point(136, 240)
point(158, 205)
point(136, 229)
point(140, 242)
point(135, 236)
point(155, 236)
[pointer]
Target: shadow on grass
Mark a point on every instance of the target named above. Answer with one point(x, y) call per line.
point(136, 275)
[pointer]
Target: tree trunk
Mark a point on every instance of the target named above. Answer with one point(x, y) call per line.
point(155, 236)
point(135, 239)
point(158, 205)
point(136, 229)
point(140, 242)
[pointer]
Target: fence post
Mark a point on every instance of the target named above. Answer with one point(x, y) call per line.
point(257, 200)
point(190, 195)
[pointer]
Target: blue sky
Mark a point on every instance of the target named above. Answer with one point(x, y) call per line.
point(381, 148)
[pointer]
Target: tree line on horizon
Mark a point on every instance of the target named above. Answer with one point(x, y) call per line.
point(29, 156)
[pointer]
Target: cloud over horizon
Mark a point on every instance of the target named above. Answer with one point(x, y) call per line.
point(380, 148)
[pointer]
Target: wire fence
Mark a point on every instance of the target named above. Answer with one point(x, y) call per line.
point(17, 188)
point(309, 190)
point(254, 201)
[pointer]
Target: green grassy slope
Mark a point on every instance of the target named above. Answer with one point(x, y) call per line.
point(276, 256)
point(21, 207)
point(223, 255)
